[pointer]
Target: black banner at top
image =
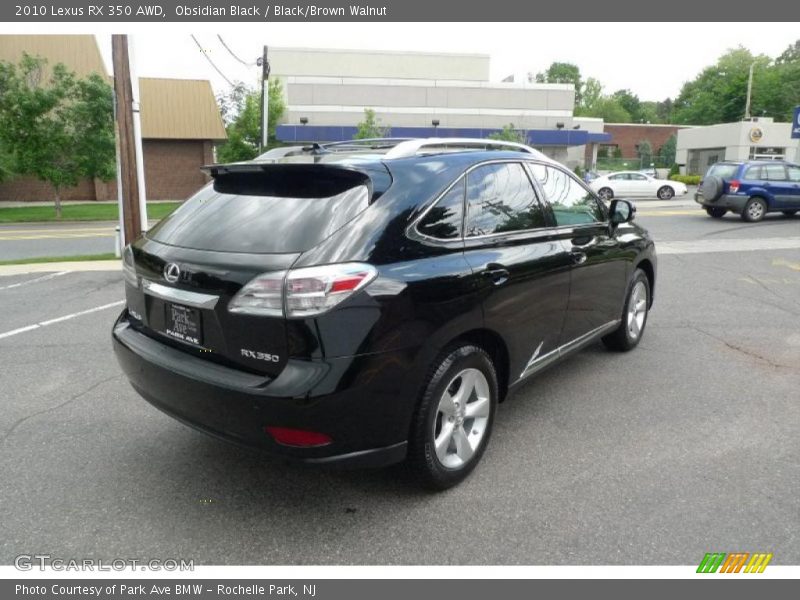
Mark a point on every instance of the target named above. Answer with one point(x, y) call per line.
point(672, 13)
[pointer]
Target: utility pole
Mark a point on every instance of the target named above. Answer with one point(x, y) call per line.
point(749, 92)
point(130, 162)
point(126, 144)
point(263, 62)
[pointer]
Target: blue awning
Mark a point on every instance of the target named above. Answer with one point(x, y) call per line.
point(536, 137)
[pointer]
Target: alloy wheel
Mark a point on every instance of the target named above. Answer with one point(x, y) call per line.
point(637, 309)
point(461, 418)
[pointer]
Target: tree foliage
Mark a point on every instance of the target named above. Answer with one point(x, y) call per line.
point(718, 94)
point(59, 130)
point(666, 154)
point(510, 134)
point(563, 72)
point(241, 111)
point(370, 127)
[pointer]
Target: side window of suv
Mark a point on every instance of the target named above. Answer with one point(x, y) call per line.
point(773, 172)
point(794, 173)
point(752, 173)
point(444, 219)
point(572, 203)
point(501, 198)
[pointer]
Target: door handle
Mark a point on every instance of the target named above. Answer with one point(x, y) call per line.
point(497, 273)
point(577, 258)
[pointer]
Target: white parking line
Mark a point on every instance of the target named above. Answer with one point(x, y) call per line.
point(36, 280)
point(727, 245)
point(59, 319)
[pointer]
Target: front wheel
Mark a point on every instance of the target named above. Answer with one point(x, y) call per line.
point(716, 212)
point(634, 315)
point(453, 421)
point(754, 210)
point(666, 193)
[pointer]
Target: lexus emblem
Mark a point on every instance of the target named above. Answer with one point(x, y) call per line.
point(172, 272)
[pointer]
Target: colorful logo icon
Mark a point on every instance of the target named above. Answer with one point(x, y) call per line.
point(735, 562)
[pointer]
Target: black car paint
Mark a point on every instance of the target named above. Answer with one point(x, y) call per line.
point(355, 372)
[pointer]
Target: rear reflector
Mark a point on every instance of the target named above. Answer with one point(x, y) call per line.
point(298, 438)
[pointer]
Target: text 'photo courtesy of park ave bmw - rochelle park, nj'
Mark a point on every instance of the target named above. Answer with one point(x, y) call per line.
point(425, 301)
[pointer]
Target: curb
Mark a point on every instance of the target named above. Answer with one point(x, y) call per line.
point(88, 265)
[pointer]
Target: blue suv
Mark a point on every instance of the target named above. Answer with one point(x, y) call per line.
point(750, 189)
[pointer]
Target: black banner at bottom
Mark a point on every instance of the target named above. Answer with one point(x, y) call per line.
point(393, 589)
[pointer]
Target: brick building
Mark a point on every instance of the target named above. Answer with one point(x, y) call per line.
point(626, 136)
point(180, 124)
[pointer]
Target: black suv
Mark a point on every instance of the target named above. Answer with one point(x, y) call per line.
point(366, 303)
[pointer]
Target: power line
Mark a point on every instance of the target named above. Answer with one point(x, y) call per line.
point(245, 63)
point(211, 62)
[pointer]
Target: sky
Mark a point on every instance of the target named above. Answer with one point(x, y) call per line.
point(651, 59)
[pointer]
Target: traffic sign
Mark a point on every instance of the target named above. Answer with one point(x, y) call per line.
point(796, 123)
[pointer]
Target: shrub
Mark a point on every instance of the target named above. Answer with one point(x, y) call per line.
point(687, 179)
point(674, 170)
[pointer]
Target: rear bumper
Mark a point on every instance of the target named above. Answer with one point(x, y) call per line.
point(356, 401)
point(732, 202)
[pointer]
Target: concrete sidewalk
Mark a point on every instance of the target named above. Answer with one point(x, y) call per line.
point(74, 266)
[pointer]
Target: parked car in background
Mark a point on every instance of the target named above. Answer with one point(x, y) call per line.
point(750, 189)
point(363, 306)
point(636, 183)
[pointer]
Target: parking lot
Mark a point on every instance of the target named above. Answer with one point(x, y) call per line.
point(686, 445)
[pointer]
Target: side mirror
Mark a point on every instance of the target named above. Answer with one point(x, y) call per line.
point(621, 211)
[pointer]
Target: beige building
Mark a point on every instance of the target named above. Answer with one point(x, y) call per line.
point(180, 123)
point(418, 94)
point(756, 139)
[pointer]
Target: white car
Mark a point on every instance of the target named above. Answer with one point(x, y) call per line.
point(634, 183)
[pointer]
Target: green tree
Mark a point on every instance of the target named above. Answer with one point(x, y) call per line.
point(6, 163)
point(510, 134)
point(60, 130)
point(666, 154)
point(241, 110)
point(563, 72)
point(370, 127)
point(645, 151)
point(631, 103)
point(718, 93)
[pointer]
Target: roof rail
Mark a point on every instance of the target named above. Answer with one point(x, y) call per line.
point(367, 143)
point(413, 147)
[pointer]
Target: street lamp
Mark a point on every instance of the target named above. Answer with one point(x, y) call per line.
point(435, 124)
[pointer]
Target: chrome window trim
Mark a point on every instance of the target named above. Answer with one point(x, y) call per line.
point(185, 297)
point(413, 228)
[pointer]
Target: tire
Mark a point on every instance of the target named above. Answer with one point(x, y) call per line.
point(712, 188)
point(754, 210)
point(716, 212)
point(606, 193)
point(789, 213)
point(634, 315)
point(665, 193)
point(442, 407)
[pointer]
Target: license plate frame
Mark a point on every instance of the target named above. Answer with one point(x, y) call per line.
point(183, 323)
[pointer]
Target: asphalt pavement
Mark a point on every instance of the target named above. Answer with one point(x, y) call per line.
point(687, 445)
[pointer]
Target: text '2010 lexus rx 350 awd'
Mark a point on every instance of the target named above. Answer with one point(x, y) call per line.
point(368, 303)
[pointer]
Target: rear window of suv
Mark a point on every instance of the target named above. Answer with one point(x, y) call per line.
point(723, 170)
point(255, 223)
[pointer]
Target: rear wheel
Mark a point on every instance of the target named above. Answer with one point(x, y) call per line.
point(606, 193)
point(666, 193)
point(453, 422)
point(717, 212)
point(634, 315)
point(789, 213)
point(754, 210)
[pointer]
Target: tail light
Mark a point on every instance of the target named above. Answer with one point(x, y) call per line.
point(299, 438)
point(129, 267)
point(733, 186)
point(301, 292)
